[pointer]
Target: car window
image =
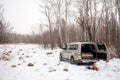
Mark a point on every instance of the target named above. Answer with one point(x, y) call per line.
point(72, 47)
point(101, 47)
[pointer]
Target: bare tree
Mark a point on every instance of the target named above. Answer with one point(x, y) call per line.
point(118, 7)
point(47, 6)
point(57, 7)
point(68, 4)
point(118, 11)
point(4, 28)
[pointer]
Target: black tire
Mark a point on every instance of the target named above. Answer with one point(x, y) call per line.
point(72, 61)
point(61, 58)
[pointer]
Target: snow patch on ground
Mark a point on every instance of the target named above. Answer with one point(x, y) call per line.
point(48, 67)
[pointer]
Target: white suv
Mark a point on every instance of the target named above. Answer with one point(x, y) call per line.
point(84, 52)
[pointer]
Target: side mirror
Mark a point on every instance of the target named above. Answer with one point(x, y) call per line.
point(64, 48)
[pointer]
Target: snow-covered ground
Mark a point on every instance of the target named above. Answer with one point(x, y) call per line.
point(45, 65)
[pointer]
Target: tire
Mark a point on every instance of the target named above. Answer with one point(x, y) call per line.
point(61, 58)
point(72, 61)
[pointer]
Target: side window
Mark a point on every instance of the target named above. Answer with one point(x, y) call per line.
point(101, 47)
point(72, 47)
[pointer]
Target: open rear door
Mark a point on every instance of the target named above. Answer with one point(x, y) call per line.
point(101, 51)
point(88, 51)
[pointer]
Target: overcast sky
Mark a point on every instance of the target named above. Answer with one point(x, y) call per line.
point(22, 14)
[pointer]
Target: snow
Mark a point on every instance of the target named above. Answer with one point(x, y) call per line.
point(46, 65)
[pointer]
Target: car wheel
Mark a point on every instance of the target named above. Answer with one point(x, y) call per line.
point(61, 58)
point(72, 61)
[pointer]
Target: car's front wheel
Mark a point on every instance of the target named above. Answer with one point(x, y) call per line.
point(72, 61)
point(61, 58)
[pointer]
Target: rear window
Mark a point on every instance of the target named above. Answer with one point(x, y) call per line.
point(101, 47)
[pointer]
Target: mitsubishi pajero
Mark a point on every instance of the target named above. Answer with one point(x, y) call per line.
point(84, 52)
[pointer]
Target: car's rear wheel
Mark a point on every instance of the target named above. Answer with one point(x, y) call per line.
point(72, 61)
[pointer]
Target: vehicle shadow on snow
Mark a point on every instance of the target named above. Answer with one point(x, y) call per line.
point(85, 64)
point(80, 64)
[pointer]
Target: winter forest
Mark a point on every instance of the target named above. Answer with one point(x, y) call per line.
point(69, 40)
point(71, 21)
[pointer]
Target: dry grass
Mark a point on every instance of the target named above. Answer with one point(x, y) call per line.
point(34, 51)
point(18, 63)
point(65, 69)
point(13, 66)
point(49, 53)
point(27, 56)
point(21, 58)
point(45, 64)
point(10, 51)
point(20, 49)
point(31, 64)
point(6, 57)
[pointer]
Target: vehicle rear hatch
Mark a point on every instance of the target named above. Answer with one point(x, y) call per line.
point(101, 51)
point(88, 51)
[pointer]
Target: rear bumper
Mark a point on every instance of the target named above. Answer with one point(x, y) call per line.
point(86, 61)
